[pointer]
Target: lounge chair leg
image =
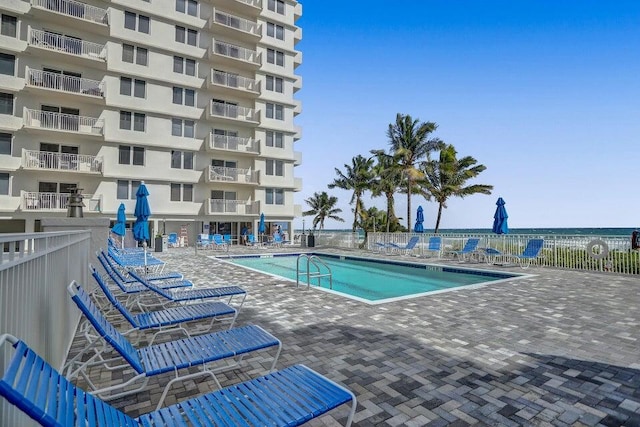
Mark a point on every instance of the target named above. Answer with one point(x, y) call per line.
point(182, 378)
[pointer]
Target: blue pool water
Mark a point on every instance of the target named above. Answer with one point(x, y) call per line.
point(374, 281)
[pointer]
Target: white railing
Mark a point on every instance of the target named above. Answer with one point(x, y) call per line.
point(233, 143)
point(234, 81)
point(238, 207)
point(74, 8)
point(36, 201)
point(238, 52)
point(236, 22)
point(254, 3)
point(559, 251)
point(60, 82)
point(70, 45)
point(32, 159)
point(35, 269)
point(221, 173)
point(223, 109)
point(63, 122)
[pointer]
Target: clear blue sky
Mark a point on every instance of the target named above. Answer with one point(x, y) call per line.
point(545, 93)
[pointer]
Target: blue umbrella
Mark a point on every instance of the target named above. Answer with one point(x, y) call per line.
point(418, 228)
point(121, 219)
point(142, 213)
point(261, 227)
point(500, 218)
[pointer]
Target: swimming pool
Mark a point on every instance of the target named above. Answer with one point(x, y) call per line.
point(373, 281)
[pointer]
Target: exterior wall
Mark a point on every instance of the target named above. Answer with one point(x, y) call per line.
point(96, 136)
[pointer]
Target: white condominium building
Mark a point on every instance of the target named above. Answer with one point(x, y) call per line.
point(193, 97)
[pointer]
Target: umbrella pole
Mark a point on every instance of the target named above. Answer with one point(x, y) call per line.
point(144, 247)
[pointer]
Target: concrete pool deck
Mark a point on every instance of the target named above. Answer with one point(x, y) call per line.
point(560, 348)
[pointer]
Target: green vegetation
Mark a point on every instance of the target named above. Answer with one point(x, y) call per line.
point(322, 206)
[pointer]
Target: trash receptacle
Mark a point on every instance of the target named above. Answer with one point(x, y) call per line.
point(157, 244)
point(303, 240)
point(165, 243)
point(311, 241)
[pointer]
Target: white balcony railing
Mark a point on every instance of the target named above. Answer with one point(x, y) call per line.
point(32, 159)
point(36, 201)
point(222, 109)
point(237, 52)
point(70, 45)
point(62, 122)
point(254, 3)
point(233, 143)
point(232, 21)
point(234, 81)
point(242, 176)
point(62, 83)
point(74, 8)
point(236, 207)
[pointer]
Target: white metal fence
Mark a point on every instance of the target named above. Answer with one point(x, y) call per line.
point(559, 251)
point(35, 269)
point(73, 46)
point(74, 8)
point(238, 52)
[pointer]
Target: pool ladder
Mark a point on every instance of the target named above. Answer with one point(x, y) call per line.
point(316, 262)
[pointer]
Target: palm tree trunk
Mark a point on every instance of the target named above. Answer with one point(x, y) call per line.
point(391, 215)
point(409, 186)
point(438, 218)
point(355, 214)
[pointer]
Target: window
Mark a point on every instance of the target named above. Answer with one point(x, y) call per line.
point(185, 189)
point(275, 57)
point(186, 35)
point(7, 64)
point(127, 189)
point(6, 103)
point(181, 159)
point(143, 22)
point(275, 139)
point(276, 6)
point(4, 184)
point(275, 167)
point(138, 121)
point(275, 111)
point(9, 25)
point(184, 96)
point(184, 128)
point(190, 7)
point(274, 196)
point(5, 143)
point(275, 84)
point(184, 66)
point(125, 86)
point(276, 31)
point(126, 153)
point(133, 54)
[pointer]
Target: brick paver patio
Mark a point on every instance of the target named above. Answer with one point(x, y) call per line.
point(561, 348)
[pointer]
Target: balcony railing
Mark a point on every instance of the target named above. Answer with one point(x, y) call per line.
point(62, 83)
point(254, 3)
point(236, 207)
point(74, 8)
point(234, 81)
point(233, 143)
point(70, 45)
point(36, 201)
point(236, 52)
point(62, 122)
point(223, 109)
point(242, 176)
point(232, 21)
point(32, 159)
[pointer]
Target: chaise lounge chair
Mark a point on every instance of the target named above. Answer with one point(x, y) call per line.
point(408, 248)
point(434, 246)
point(218, 242)
point(200, 351)
point(529, 254)
point(172, 240)
point(291, 397)
point(471, 246)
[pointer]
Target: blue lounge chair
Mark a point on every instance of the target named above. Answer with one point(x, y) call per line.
point(469, 248)
point(218, 242)
point(203, 241)
point(529, 254)
point(434, 246)
point(252, 241)
point(200, 351)
point(293, 396)
point(408, 248)
point(124, 276)
point(172, 240)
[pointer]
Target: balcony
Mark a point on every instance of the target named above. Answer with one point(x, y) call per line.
point(244, 7)
point(74, 9)
point(67, 45)
point(234, 82)
point(297, 158)
point(61, 83)
point(236, 53)
point(297, 184)
point(35, 201)
point(234, 26)
point(232, 207)
point(64, 162)
point(235, 144)
point(233, 112)
point(62, 122)
point(231, 175)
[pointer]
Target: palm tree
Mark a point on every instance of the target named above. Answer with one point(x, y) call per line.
point(322, 206)
point(387, 177)
point(409, 140)
point(446, 177)
point(356, 177)
point(370, 220)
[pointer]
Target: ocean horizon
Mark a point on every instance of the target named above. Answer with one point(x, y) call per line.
point(560, 231)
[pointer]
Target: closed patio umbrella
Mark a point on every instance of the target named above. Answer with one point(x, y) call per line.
point(261, 226)
point(142, 213)
point(500, 218)
point(119, 228)
point(418, 228)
